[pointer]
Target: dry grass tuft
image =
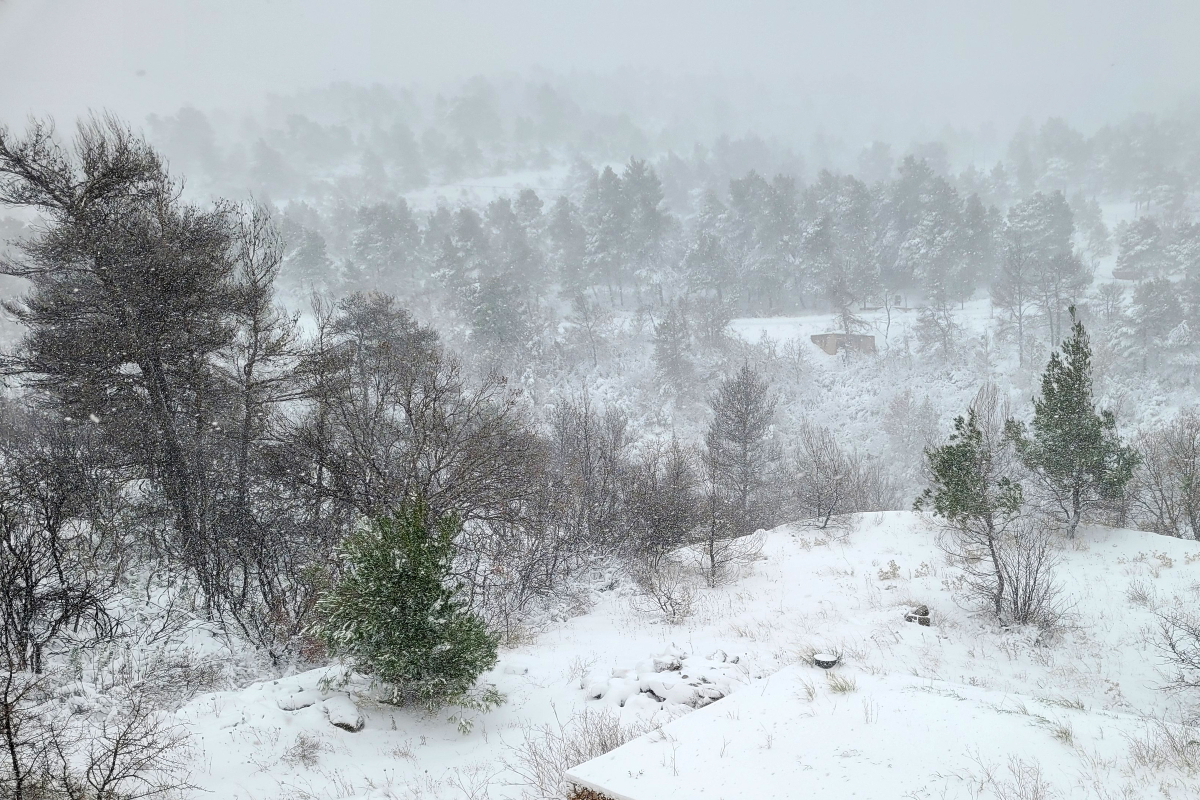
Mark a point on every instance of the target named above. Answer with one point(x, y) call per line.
point(545, 753)
point(841, 684)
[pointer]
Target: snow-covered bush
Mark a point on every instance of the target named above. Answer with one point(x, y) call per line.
point(667, 585)
point(396, 614)
point(130, 752)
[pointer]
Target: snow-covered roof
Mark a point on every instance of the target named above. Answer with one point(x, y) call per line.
point(891, 736)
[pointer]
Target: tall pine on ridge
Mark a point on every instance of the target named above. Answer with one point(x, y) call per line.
point(1074, 451)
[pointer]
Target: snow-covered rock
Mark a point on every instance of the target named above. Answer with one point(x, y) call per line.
point(342, 713)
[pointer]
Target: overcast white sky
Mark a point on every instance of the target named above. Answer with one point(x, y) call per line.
point(960, 61)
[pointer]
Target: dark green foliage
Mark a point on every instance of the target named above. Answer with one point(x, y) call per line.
point(974, 491)
point(1074, 450)
point(965, 485)
point(397, 616)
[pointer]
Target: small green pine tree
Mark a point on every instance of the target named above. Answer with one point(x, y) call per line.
point(396, 615)
point(1074, 450)
point(973, 493)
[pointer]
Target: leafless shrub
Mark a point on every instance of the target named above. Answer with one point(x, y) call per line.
point(668, 586)
point(911, 425)
point(566, 507)
point(1165, 491)
point(1164, 745)
point(1026, 782)
point(167, 676)
point(507, 568)
point(472, 781)
point(134, 753)
point(662, 501)
point(1140, 594)
point(26, 764)
point(829, 481)
point(1019, 582)
point(1179, 644)
point(55, 580)
point(1033, 596)
point(546, 752)
point(305, 751)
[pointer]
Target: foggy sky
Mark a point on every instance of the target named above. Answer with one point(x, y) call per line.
point(941, 61)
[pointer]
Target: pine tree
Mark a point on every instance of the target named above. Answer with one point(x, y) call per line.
point(672, 344)
point(1074, 450)
point(973, 491)
point(396, 613)
point(738, 441)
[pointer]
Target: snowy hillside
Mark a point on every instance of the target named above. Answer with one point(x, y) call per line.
point(1082, 705)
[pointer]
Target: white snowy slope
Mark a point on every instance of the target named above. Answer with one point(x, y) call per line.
point(892, 735)
point(962, 708)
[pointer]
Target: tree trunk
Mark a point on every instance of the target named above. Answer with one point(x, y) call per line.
point(1076, 509)
point(999, 599)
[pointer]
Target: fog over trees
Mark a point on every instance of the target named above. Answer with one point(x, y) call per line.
point(358, 390)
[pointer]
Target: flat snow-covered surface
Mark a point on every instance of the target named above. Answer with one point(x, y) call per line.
point(945, 705)
point(894, 735)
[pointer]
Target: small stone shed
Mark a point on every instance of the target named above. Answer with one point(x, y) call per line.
point(832, 342)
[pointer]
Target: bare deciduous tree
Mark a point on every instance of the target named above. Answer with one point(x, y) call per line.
point(1165, 490)
point(662, 501)
point(719, 547)
point(56, 569)
point(827, 481)
point(588, 462)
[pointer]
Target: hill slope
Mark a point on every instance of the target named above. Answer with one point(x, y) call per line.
point(848, 591)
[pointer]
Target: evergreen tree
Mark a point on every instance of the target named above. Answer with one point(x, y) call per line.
point(1141, 249)
point(396, 613)
point(310, 265)
point(567, 243)
point(979, 246)
point(738, 441)
point(606, 220)
point(648, 223)
point(385, 246)
point(672, 344)
point(1073, 450)
point(973, 491)
point(1157, 311)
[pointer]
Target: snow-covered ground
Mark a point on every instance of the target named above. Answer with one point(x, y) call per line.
point(1082, 706)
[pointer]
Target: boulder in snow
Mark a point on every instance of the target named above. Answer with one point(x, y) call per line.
point(342, 713)
point(297, 698)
